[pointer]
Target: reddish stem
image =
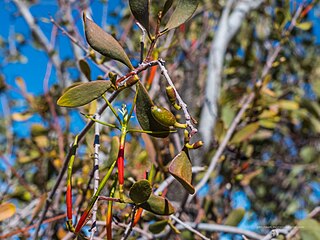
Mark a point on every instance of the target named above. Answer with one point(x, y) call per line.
point(109, 222)
point(82, 221)
point(120, 163)
point(137, 216)
point(69, 202)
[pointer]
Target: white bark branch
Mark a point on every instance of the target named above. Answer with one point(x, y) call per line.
point(228, 26)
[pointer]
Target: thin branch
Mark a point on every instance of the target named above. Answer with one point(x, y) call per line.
point(130, 226)
point(96, 174)
point(180, 101)
point(210, 227)
point(216, 157)
point(288, 231)
point(122, 225)
point(26, 229)
point(189, 227)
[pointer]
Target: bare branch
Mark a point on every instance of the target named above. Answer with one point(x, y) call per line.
point(210, 227)
point(180, 101)
point(189, 227)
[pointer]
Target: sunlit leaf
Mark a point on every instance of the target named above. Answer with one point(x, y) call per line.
point(183, 12)
point(7, 210)
point(144, 114)
point(308, 154)
point(85, 68)
point(84, 93)
point(245, 132)
point(21, 117)
point(309, 229)
point(38, 130)
point(288, 105)
point(104, 43)
point(140, 10)
point(158, 205)
point(305, 26)
point(181, 169)
point(267, 123)
point(140, 191)
point(235, 217)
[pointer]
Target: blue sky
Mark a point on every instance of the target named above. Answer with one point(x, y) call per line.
point(34, 70)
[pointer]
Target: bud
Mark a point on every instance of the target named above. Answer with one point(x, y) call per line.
point(163, 116)
point(113, 78)
point(195, 145)
point(172, 97)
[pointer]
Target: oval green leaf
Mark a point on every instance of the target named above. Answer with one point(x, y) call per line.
point(158, 227)
point(85, 68)
point(140, 191)
point(84, 93)
point(235, 217)
point(245, 132)
point(144, 114)
point(158, 205)
point(140, 11)
point(104, 43)
point(181, 169)
point(7, 210)
point(163, 116)
point(183, 12)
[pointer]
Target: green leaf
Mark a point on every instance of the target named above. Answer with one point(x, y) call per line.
point(308, 154)
point(305, 26)
point(166, 7)
point(140, 10)
point(235, 217)
point(85, 68)
point(309, 229)
point(140, 191)
point(158, 205)
point(104, 43)
point(163, 116)
point(181, 169)
point(245, 132)
point(84, 93)
point(183, 12)
point(7, 210)
point(158, 227)
point(288, 105)
point(267, 123)
point(144, 114)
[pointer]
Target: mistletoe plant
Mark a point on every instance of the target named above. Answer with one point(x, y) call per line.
point(154, 120)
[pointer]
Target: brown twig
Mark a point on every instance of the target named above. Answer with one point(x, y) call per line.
point(130, 226)
point(20, 178)
point(23, 230)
